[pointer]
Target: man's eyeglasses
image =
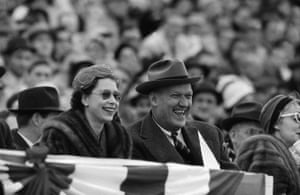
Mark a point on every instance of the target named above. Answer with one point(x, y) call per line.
point(106, 94)
point(295, 115)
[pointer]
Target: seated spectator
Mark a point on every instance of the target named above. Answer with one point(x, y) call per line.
point(206, 100)
point(270, 153)
point(35, 106)
point(89, 127)
point(242, 123)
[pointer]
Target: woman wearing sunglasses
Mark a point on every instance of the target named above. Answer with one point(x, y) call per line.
point(276, 152)
point(89, 128)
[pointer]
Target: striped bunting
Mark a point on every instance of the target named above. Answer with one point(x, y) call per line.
point(71, 175)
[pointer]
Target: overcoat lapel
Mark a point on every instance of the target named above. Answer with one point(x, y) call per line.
point(191, 139)
point(19, 142)
point(157, 143)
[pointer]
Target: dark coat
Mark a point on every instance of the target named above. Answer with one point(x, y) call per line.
point(5, 136)
point(150, 143)
point(18, 141)
point(70, 133)
point(266, 154)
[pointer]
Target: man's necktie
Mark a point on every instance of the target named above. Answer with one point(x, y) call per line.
point(181, 148)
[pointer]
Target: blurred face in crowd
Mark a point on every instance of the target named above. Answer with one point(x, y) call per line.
point(124, 79)
point(118, 8)
point(171, 106)
point(69, 20)
point(274, 30)
point(102, 104)
point(204, 106)
point(43, 44)
point(96, 49)
point(19, 61)
point(184, 8)
point(174, 26)
point(129, 60)
point(242, 130)
point(225, 38)
point(251, 66)
point(196, 72)
point(142, 107)
point(63, 44)
point(287, 127)
point(40, 73)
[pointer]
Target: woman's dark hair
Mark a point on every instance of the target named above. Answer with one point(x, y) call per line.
point(75, 67)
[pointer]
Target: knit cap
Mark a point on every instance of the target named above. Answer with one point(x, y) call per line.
point(87, 76)
point(271, 110)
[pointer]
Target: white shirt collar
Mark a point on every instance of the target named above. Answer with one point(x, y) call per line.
point(28, 142)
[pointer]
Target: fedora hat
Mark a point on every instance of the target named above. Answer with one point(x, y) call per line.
point(245, 111)
point(38, 99)
point(165, 73)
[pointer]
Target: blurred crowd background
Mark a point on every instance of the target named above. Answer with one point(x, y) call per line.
point(242, 49)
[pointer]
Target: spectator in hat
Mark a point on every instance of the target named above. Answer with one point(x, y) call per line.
point(206, 100)
point(89, 127)
point(18, 56)
point(242, 123)
point(165, 135)
point(274, 153)
point(35, 106)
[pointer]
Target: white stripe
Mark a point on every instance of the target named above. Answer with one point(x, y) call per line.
point(68, 159)
point(98, 179)
point(187, 180)
point(268, 185)
point(11, 187)
point(209, 159)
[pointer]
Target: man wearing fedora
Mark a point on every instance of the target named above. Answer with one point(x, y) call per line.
point(165, 134)
point(35, 105)
point(241, 124)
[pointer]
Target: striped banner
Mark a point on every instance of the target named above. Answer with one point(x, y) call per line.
point(72, 175)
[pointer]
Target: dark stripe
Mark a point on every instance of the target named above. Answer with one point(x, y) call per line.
point(224, 182)
point(145, 180)
point(176, 77)
point(276, 113)
point(252, 184)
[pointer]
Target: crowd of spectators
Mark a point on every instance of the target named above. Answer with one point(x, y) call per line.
point(245, 49)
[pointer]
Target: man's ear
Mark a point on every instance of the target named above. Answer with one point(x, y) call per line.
point(276, 127)
point(153, 99)
point(37, 119)
point(84, 100)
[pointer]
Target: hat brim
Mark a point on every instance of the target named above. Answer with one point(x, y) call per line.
point(149, 86)
point(229, 122)
point(16, 111)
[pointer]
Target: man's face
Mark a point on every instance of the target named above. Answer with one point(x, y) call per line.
point(171, 106)
point(241, 131)
point(288, 127)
